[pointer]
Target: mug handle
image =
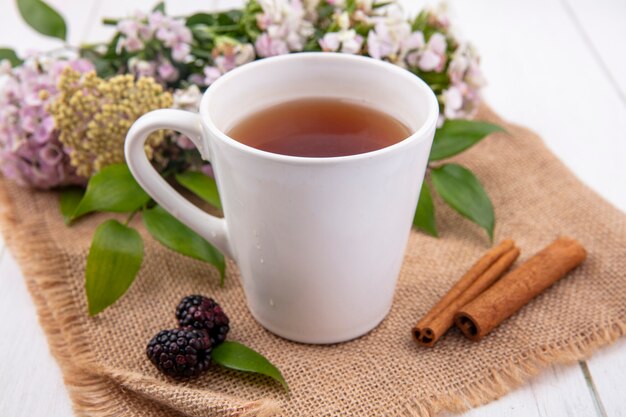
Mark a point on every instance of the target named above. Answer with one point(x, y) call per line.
point(211, 228)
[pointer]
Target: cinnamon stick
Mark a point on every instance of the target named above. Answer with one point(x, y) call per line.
point(518, 287)
point(480, 276)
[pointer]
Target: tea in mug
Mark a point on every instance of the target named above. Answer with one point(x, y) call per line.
point(319, 128)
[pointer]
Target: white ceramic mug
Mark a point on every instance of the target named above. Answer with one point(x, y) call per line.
point(319, 241)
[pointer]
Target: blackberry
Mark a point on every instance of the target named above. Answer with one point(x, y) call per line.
point(199, 312)
point(180, 353)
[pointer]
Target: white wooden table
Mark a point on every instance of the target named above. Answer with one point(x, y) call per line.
point(557, 66)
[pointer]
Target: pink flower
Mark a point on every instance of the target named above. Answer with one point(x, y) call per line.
point(285, 27)
point(345, 41)
point(460, 101)
point(184, 142)
point(156, 21)
point(132, 44)
point(387, 37)
point(453, 100)
point(433, 57)
point(413, 42)
point(210, 75)
point(180, 52)
point(330, 42)
point(128, 27)
point(167, 71)
point(140, 29)
point(196, 79)
point(410, 49)
point(267, 46)
point(379, 43)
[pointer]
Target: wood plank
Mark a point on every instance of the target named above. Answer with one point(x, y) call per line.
point(602, 22)
point(30, 382)
point(541, 75)
point(541, 87)
point(608, 370)
point(557, 391)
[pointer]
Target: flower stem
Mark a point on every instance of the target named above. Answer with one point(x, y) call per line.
point(130, 217)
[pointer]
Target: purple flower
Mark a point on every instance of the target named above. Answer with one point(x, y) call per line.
point(30, 151)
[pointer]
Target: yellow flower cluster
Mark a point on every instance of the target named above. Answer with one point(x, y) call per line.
point(93, 116)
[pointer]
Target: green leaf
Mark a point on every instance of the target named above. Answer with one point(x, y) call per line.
point(113, 262)
point(112, 189)
point(455, 136)
point(201, 18)
point(425, 214)
point(201, 185)
point(6, 53)
point(229, 17)
point(69, 200)
point(462, 191)
point(233, 355)
point(173, 234)
point(160, 7)
point(43, 18)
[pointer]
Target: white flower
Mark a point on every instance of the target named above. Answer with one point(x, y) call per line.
point(285, 25)
point(433, 57)
point(5, 67)
point(462, 97)
point(388, 35)
point(267, 46)
point(345, 41)
point(409, 49)
point(453, 101)
point(464, 67)
point(141, 68)
point(343, 20)
point(460, 101)
point(244, 53)
point(187, 98)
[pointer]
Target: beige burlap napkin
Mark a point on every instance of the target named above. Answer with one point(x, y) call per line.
point(383, 373)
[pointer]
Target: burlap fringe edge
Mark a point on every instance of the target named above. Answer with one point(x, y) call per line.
point(517, 372)
point(88, 386)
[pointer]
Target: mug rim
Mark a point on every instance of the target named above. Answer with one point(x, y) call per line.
point(420, 134)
